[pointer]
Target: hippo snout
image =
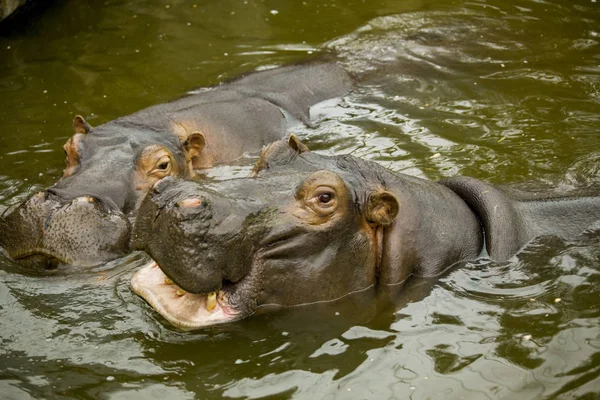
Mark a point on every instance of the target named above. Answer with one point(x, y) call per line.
point(174, 222)
point(46, 231)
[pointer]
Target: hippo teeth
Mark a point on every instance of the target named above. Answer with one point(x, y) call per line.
point(183, 309)
point(211, 301)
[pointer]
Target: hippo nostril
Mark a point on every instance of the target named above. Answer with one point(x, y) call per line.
point(189, 203)
point(52, 191)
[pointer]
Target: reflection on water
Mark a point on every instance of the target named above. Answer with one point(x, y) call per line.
point(506, 91)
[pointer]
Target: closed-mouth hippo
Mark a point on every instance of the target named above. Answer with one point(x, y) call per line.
point(84, 219)
point(308, 228)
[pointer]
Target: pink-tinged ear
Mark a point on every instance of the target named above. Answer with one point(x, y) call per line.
point(193, 146)
point(382, 208)
point(296, 144)
point(80, 125)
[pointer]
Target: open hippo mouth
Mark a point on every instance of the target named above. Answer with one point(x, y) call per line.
point(185, 310)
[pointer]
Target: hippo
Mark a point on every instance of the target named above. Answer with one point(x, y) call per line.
point(85, 219)
point(308, 228)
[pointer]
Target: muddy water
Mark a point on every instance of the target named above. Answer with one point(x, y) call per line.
point(507, 91)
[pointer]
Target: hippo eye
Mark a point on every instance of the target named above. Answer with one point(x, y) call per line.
point(325, 198)
point(162, 166)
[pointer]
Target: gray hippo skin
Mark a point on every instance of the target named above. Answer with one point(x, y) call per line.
point(84, 219)
point(309, 228)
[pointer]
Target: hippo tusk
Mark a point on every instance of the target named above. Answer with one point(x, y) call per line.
point(211, 301)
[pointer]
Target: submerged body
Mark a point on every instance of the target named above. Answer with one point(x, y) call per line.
point(308, 228)
point(84, 219)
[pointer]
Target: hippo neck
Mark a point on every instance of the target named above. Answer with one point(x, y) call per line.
point(434, 229)
point(510, 223)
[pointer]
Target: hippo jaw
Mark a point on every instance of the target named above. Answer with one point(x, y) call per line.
point(194, 288)
point(185, 310)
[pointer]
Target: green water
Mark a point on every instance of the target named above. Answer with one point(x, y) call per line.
point(506, 91)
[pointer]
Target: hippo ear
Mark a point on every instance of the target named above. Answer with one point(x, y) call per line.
point(297, 145)
point(279, 153)
point(193, 146)
point(382, 208)
point(80, 125)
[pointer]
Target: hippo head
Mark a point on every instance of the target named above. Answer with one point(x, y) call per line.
point(83, 220)
point(303, 228)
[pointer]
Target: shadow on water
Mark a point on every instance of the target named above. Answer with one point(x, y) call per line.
point(28, 16)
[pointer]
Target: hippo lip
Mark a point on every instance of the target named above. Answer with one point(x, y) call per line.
point(185, 310)
point(51, 259)
point(37, 252)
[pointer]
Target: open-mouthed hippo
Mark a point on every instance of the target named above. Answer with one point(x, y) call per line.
point(84, 219)
point(308, 228)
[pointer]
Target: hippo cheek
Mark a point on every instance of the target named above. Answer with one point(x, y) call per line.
point(80, 233)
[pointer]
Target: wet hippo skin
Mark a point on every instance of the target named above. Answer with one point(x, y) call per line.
point(309, 228)
point(84, 220)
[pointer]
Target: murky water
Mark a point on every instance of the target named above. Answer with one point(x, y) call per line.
point(507, 91)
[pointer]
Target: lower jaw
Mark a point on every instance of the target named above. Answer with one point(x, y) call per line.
point(187, 311)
